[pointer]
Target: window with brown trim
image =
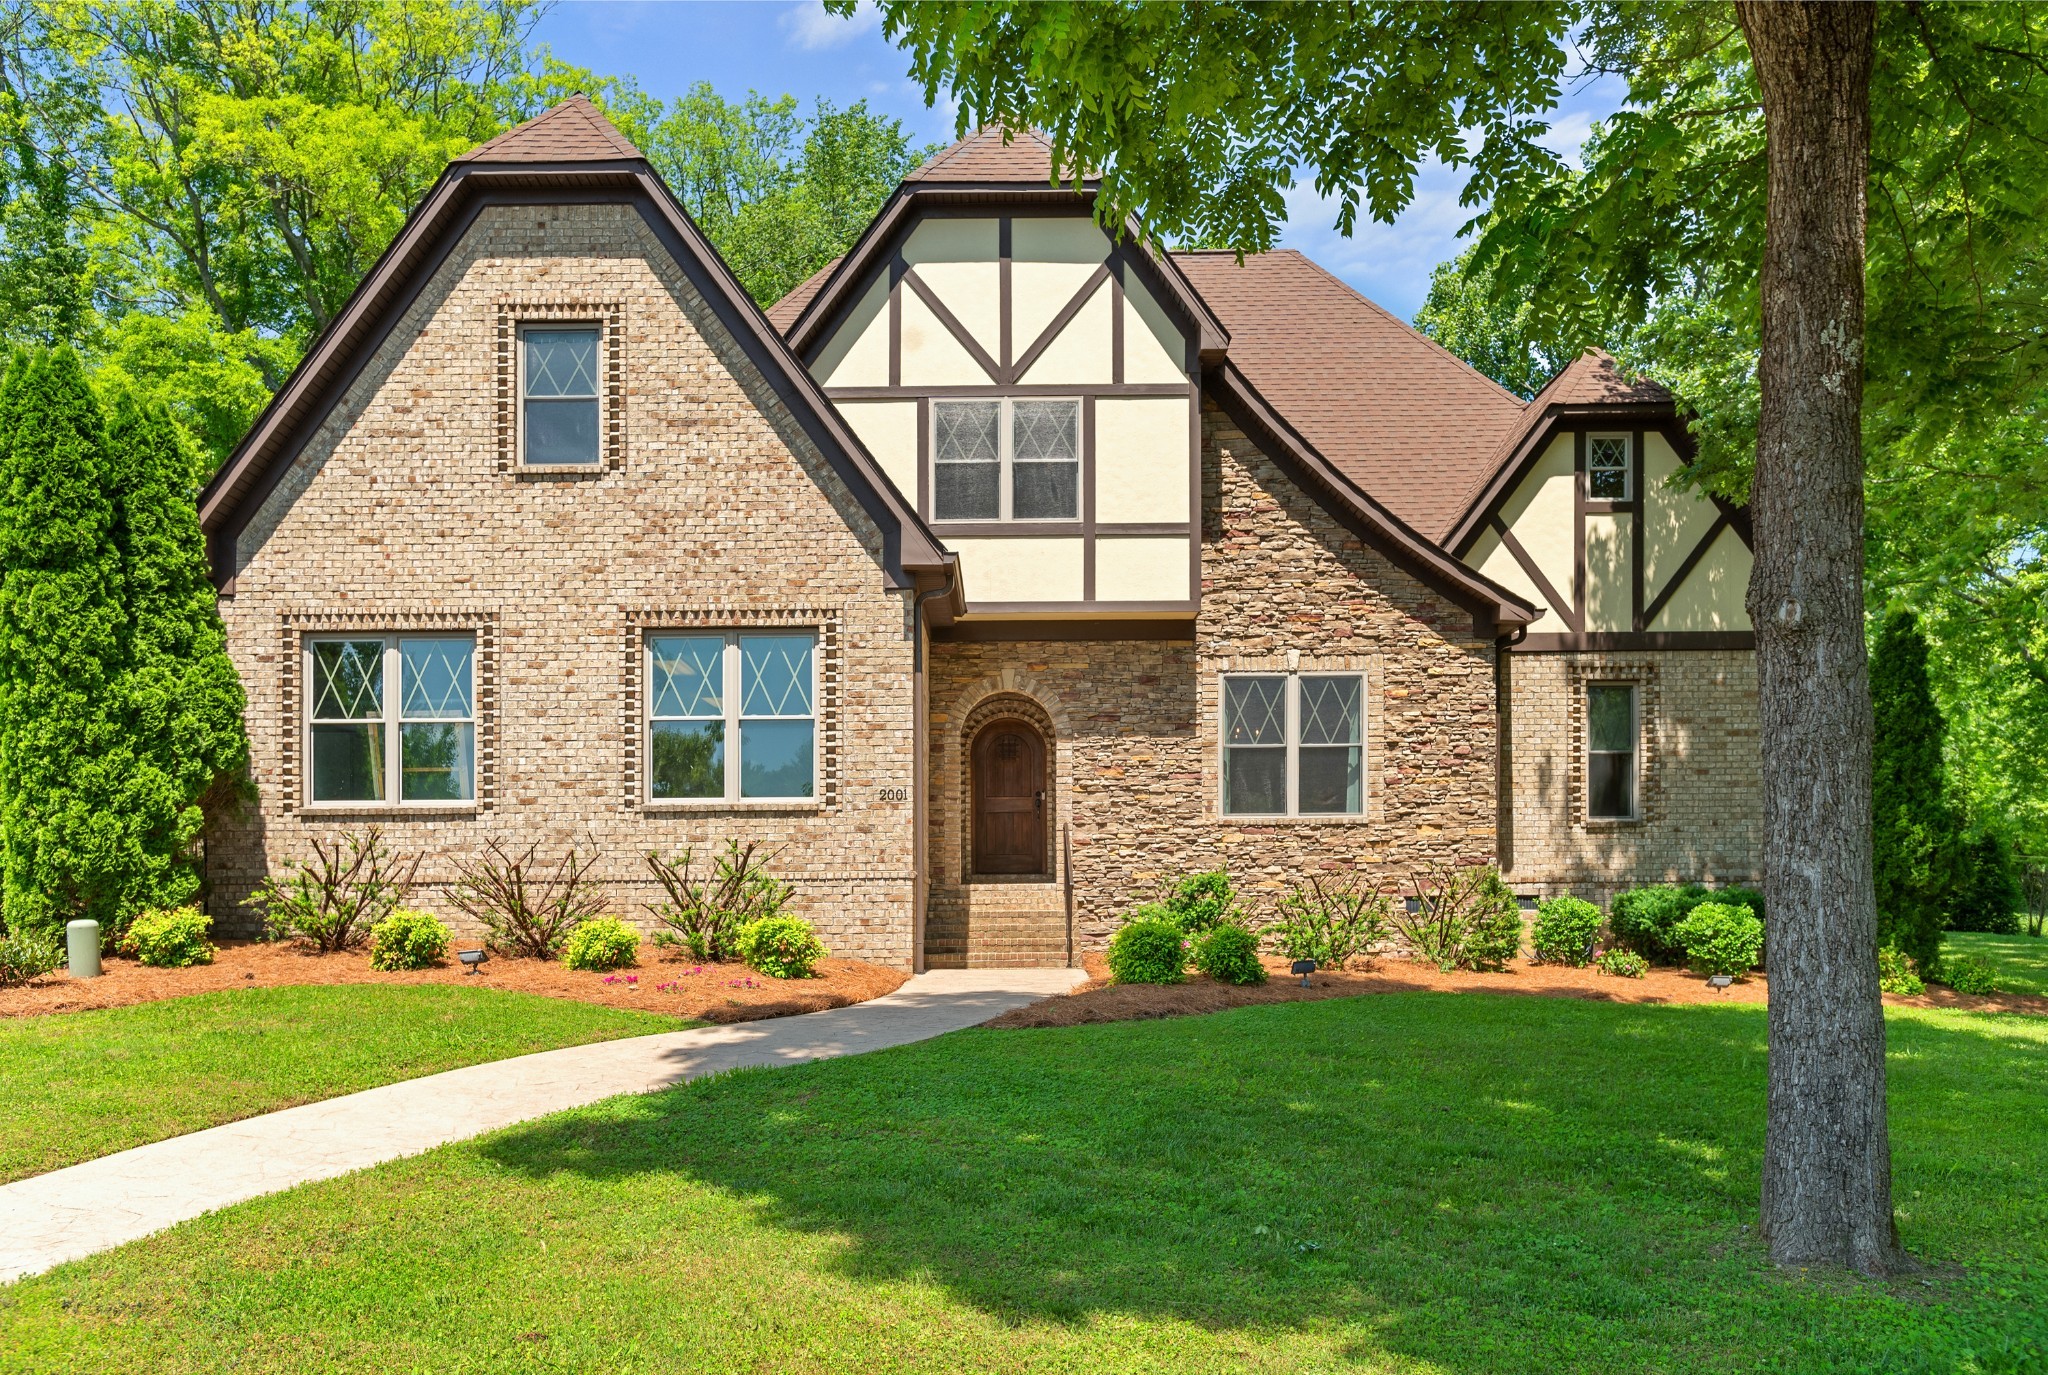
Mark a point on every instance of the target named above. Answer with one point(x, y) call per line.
point(1607, 467)
point(1006, 459)
point(1613, 732)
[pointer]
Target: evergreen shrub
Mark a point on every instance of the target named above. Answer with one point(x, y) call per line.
point(408, 939)
point(1988, 896)
point(1720, 939)
point(1230, 955)
point(1197, 903)
point(169, 938)
point(1565, 930)
point(601, 944)
point(1969, 974)
point(1148, 952)
point(27, 953)
point(1645, 920)
point(1895, 973)
point(1916, 835)
point(781, 947)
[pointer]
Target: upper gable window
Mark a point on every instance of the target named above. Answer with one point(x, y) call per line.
point(558, 401)
point(1607, 467)
point(1010, 459)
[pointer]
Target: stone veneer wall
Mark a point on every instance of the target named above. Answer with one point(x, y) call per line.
point(1135, 753)
point(713, 509)
point(1700, 773)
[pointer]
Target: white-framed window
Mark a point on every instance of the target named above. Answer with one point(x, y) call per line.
point(731, 715)
point(1012, 458)
point(1293, 744)
point(1613, 725)
point(560, 420)
point(1608, 467)
point(392, 719)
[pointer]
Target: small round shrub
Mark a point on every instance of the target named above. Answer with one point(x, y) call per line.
point(1230, 955)
point(1148, 952)
point(169, 938)
point(26, 955)
point(600, 944)
point(1623, 964)
point(1969, 974)
point(1895, 973)
point(1720, 939)
point(1645, 919)
point(408, 940)
point(781, 947)
point(1493, 933)
point(1565, 930)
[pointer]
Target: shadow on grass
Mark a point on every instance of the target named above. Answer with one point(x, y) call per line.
point(1481, 1182)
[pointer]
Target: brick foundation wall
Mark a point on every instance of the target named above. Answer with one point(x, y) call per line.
point(712, 508)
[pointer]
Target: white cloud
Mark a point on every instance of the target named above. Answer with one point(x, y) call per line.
point(1390, 263)
point(812, 29)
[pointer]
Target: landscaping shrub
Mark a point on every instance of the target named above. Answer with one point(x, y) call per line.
point(1988, 897)
point(601, 944)
point(1230, 955)
point(524, 906)
point(1916, 830)
point(1645, 919)
point(1720, 939)
point(1623, 964)
point(1329, 922)
point(1969, 974)
point(1565, 930)
point(1741, 897)
point(1895, 973)
point(331, 903)
point(169, 938)
point(1148, 952)
point(1463, 919)
point(408, 940)
point(781, 947)
point(705, 918)
point(27, 954)
point(1202, 902)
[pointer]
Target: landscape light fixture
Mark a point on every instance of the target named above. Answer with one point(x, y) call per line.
point(472, 958)
point(1304, 968)
point(1719, 980)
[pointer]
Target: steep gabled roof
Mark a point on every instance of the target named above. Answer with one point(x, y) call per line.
point(784, 312)
point(573, 131)
point(1399, 415)
point(991, 154)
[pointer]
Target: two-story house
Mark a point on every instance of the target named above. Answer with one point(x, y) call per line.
point(1006, 564)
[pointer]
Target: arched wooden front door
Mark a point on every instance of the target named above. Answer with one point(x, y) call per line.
point(1009, 798)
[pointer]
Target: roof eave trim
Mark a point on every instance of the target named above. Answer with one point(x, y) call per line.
point(1535, 436)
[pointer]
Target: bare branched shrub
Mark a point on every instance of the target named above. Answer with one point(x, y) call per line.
point(706, 917)
point(526, 906)
point(1329, 922)
point(1463, 918)
point(331, 903)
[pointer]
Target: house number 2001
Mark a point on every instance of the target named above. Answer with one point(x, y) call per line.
point(895, 794)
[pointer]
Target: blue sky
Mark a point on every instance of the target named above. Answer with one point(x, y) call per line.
point(794, 47)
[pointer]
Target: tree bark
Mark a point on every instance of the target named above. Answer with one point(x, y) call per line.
point(1827, 1196)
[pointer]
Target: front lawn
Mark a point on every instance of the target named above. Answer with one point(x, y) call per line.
point(1411, 1182)
point(84, 1084)
point(2021, 961)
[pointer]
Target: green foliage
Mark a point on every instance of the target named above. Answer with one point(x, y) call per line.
point(332, 901)
point(1197, 903)
point(170, 938)
point(781, 947)
point(601, 944)
point(27, 953)
point(525, 905)
point(706, 918)
point(408, 939)
point(1494, 935)
point(1230, 954)
point(1916, 837)
point(1465, 314)
point(1565, 930)
point(1148, 951)
point(1463, 919)
point(1896, 974)
point(1646, 920)
point(1330, 922)
point(1969, 974)
point(1720, 939)
point(1623, 964)
point(1988, 896)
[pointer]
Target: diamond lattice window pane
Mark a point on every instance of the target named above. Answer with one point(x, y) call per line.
point(1329, 711)
point(561, 362)
point(689, 675)
point(1254, 711)
point(1045, 431)
point(348, 680)
point(1607, 467)
point(966, 431)
point(775, 675)
point(435, 678)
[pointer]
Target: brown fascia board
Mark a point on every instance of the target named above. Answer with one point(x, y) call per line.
point(338, 355)
point(870, 250)
point(1490, 603)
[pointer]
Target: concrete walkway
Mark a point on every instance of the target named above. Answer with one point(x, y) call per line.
point(69, 1213)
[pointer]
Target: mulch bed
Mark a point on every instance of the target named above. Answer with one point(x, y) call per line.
point(1098, 1000)
point(659, 983)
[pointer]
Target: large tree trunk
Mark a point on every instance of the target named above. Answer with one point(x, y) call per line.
point(1827, 1194)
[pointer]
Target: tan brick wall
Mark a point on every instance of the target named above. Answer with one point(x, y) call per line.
point(1135, 758)
point(400, 513)
point(1700, 773)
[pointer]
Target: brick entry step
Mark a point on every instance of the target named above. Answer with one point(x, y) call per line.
point(997, 926)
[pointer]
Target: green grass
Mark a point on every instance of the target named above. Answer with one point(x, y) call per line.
point(83, 1084)
point(1399, 1183)
point(2021, 961)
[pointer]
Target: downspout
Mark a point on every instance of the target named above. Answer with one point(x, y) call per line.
point(920, 785)
point(1504, 749)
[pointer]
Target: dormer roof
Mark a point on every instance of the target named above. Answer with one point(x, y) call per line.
point(573, 131)
point(991, 154)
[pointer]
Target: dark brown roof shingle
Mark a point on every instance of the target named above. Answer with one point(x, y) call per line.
point(784, 312)
point(572, 131)
point(991, 154)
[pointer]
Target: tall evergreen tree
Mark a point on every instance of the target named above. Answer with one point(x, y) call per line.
point(64, 759)
point(182, 698)
point(1915, 824)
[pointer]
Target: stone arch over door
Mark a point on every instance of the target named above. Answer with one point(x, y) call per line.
point(1029, 714)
